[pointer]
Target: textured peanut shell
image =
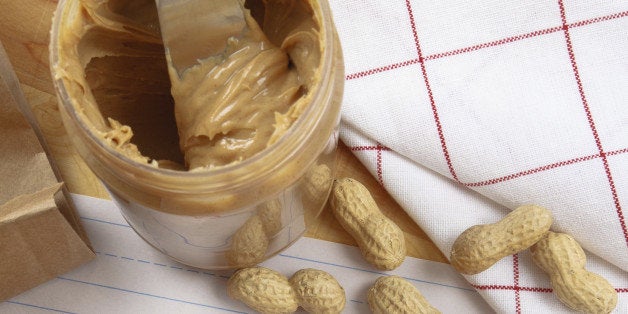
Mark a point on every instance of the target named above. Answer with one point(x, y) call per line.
point(479, 247)
point(270, 215)
point(317, 182)
point(249, 243)
point(380, 240)
point(318, 291)
point(562, 258)
point(393, 294)
point(315, 190)
point(263, 290)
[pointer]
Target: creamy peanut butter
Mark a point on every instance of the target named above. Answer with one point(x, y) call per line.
point(256, 124)
point(220, 111)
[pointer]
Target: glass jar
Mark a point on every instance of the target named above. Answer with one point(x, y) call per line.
point(229, 216)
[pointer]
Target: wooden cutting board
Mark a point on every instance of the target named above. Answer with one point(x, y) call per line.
point(24, 32)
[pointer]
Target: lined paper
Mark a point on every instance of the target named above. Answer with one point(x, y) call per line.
point(129, 276)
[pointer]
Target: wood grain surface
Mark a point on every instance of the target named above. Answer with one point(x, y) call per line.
point(25, 32)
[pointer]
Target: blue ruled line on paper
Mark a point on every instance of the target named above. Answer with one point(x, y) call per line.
point(148, 295)
point(105, 222)
point(39, 307)
point(145, 262)
point(373, 272)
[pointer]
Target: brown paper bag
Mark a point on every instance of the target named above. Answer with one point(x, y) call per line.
point(40, 233)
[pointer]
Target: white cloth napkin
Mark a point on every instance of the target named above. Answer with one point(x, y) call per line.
point(465, 110)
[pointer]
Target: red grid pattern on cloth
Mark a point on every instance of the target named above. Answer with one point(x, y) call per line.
point(515, 287)
point(486, 45)
point(379, 148)
point(573, 61)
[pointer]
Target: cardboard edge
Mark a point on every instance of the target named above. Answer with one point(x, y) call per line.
point(37, 243)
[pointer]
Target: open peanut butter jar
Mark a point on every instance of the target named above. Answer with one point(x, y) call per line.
point(222, 166)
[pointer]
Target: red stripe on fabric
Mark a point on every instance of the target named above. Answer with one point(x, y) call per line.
point(531, 171)
point(378, 159)
point(523, 173)
point(515, 272)
point(617, 152)
point(381, 69)
point(599, 19)
point(543, 168)
point(429, 93)
point(366, 148)
point(504, 287)
point(528, 289)
point(380, 176)
point(494, 43)
point(487, 45)
point(592, 125)
point(526, 36)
